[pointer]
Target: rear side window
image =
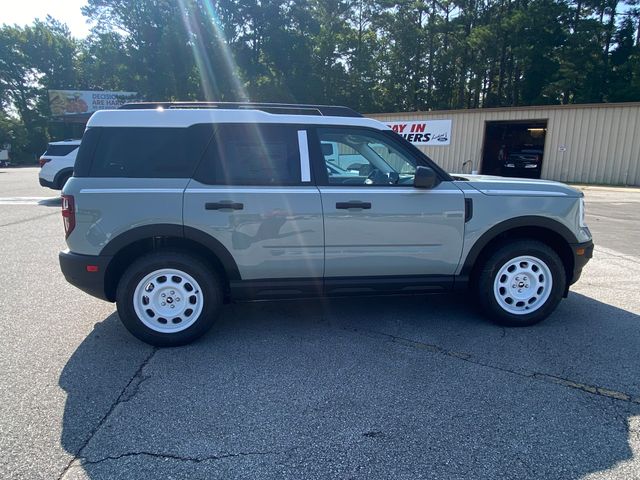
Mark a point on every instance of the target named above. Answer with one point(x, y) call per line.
point(59, 150)
point(140, 152)
point(252, 154)
point(85, 153)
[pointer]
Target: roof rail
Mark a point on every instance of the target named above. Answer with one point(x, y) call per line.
point(279, 108)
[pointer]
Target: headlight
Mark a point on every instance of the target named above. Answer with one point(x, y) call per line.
point(581, 222)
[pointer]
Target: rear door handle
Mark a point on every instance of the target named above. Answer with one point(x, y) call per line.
point(354, 204)
point(223, 205)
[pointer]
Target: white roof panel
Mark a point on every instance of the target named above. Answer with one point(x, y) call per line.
point(186, 117)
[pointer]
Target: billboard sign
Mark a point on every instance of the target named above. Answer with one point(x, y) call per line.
point(73, 102)
point(424, 132)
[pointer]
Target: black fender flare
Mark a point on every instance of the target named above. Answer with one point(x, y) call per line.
point(60, 175)
point(179, 231)
point(511, 224)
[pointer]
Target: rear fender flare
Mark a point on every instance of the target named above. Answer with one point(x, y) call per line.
point(177, 231)
point(60, 175)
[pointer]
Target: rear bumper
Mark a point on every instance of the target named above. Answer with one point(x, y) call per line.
point(582, 253)
point(46, 183)
point(74, 268)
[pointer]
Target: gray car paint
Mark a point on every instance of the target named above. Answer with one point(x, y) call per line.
point(407, 231)
point(278, 234)
point(108, 207)
point(497, 200)
point(281, 233)
point(493, 185)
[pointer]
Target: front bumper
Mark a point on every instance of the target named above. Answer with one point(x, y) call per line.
point(86, 272)
point(582, 253)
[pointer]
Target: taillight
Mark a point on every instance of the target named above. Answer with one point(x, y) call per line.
point(68, 214)
point(43, 160)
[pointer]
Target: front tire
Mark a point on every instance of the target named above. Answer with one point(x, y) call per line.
point(521, 283)
point(168, 298)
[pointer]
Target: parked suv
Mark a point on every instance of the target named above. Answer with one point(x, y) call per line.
point(56, 164)
point(175, 208)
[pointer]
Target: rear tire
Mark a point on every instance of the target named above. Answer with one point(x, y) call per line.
point(169, 298)
point(521, 283)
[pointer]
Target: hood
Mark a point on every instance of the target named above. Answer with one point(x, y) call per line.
point(492, 185)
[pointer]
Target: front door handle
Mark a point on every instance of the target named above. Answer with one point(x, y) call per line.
point(223, 205)
point(353, 204)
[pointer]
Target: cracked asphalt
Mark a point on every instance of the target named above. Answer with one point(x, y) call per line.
point(363, 388)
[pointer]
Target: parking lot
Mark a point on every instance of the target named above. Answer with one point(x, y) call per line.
point(386, 387)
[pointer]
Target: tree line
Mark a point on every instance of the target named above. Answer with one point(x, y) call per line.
point(372, 55)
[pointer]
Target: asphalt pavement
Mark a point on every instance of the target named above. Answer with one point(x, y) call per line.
point(353, 388)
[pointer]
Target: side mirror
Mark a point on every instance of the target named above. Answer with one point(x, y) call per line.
point(425, 177)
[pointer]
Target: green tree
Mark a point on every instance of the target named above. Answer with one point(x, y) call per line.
point(374, 55)
point(33, 59)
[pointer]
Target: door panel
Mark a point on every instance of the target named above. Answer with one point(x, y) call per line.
point(271, 232)
point(253, 193)
point(377, 224)
point(406, 230)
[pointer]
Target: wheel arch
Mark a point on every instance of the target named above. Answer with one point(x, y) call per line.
point(57, 180)
point(549, 231)
point(128, 246)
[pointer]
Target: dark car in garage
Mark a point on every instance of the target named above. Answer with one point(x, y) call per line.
point(525, 162)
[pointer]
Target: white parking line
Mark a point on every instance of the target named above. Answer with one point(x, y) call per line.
point(25, 200)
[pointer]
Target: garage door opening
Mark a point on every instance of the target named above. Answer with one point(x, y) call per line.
point(514, 149)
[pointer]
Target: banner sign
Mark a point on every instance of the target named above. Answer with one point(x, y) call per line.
point(424, 132)
point(72, 102)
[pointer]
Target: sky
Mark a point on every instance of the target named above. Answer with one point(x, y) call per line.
point(24, 12)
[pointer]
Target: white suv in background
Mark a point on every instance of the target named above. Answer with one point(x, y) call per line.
point(56, 164)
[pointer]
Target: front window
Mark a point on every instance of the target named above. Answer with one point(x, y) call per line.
point(357, 157)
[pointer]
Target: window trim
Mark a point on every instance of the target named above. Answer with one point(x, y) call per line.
point(305, 165)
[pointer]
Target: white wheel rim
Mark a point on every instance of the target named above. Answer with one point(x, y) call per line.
point(522, 285)
point(168, 300)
